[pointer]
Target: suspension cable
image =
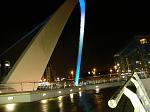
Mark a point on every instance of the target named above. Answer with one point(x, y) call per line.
point(25, 36)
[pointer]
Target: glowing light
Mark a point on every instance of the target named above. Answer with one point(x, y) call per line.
point(10, 98)
point(44, 101)
point(82, 22)
point(71, 97)
point(7, 64)
point(72, 72)
point(80, 94)
point(10, 107)
point(110, 70)
point(59, 91)
point(143, 41)
point(118, 64)
point(61, 107)
point(97, 86)
point(115, 67)
point(71, 90)
point(97, 90)
point(44, 94)
point(79, 89)
point(60, 98)
point(44, 105)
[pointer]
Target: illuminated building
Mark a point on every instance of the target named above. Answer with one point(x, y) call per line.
point(135, 56)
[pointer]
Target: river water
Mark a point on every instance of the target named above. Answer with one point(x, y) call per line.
point(89, 101)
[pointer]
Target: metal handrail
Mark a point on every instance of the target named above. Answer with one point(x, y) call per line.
point(118, 94)
point(8, 88)
point(140, 102)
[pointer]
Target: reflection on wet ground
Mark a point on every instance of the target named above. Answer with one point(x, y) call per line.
point(89, 101)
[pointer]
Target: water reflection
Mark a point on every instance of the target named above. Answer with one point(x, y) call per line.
point(60, 104)
point(97, 90)
point(80, 94)
point(71, 97)
point(85, 104)
point(44, 105)
point(44, 101)
point(60, 98)
point(10, 107)
point(88, 101)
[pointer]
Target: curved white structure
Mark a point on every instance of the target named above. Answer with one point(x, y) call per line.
point(140, 100)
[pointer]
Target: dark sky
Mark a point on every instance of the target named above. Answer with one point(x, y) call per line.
point(108, 28)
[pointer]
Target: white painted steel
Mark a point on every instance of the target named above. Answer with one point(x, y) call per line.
point(32, 63)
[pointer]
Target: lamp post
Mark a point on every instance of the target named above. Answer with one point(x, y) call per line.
point(110, 72)
point(7, 66)
point(115, 67)
point(72, 73)
point(94, 71)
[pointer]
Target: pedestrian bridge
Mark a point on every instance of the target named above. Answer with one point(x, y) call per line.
point(49, 90)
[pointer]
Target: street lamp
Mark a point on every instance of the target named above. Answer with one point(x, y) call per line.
point(110, 72)
point(118, 64)
point(115, 67)
point(7, 67)
point(7, 64)
point(94, 71)
point(72, 73)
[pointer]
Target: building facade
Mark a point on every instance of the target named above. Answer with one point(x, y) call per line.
point(135, 57)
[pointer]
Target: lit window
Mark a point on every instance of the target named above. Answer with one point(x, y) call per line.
point(143, 41)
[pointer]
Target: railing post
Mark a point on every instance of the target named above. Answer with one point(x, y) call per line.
point(21, 87)
point(33, 86)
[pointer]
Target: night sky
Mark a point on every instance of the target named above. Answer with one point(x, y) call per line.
point(109, 27)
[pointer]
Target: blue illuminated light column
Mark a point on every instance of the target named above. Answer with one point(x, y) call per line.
point(82, 22)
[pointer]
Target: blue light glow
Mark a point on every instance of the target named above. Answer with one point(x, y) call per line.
point(82, 22)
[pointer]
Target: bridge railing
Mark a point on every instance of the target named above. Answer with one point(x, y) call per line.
point(7, 88)
point(140, 100)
